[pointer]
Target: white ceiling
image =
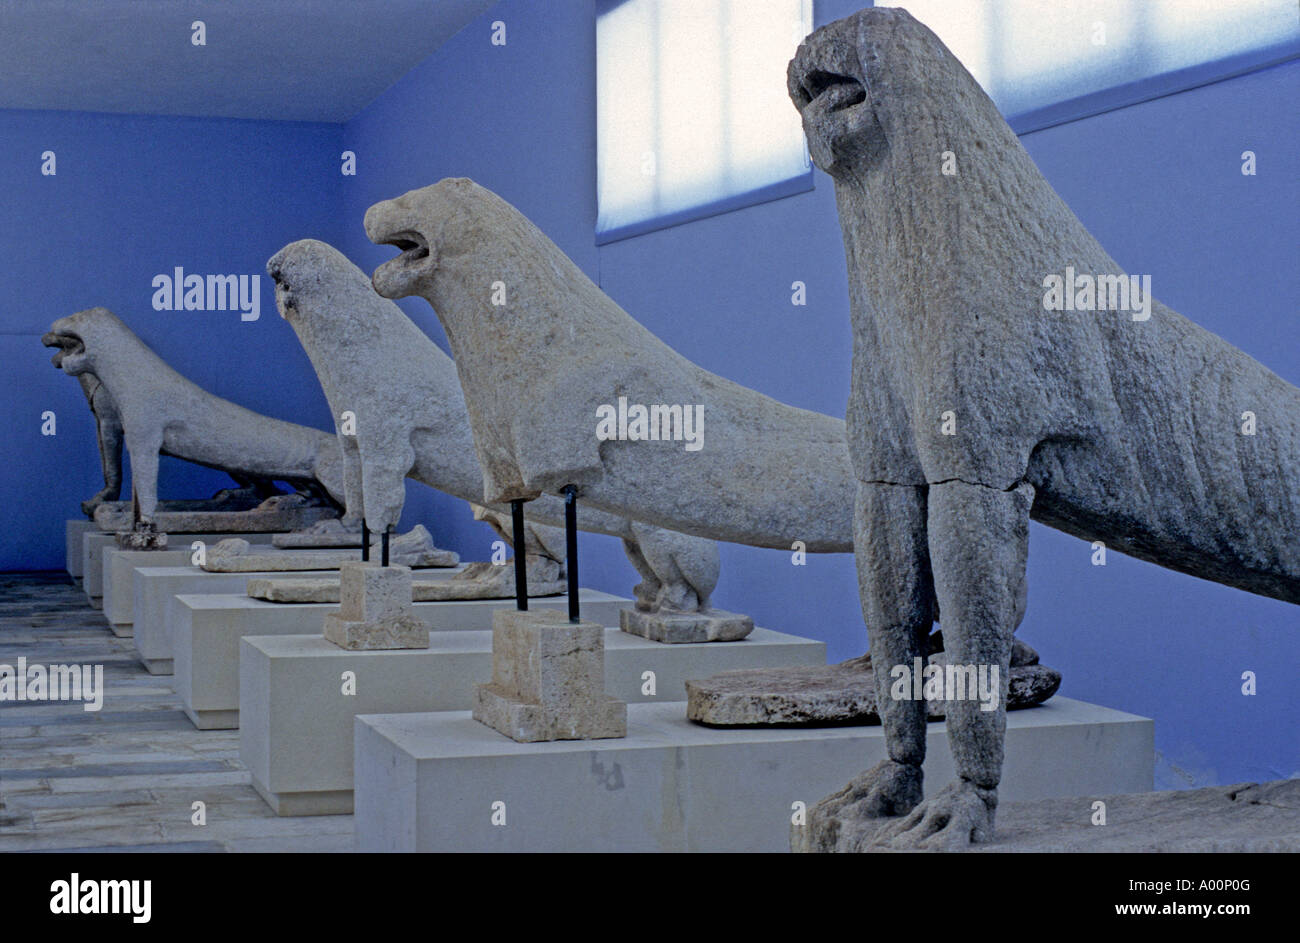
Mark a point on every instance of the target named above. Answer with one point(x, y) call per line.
point(294, 60)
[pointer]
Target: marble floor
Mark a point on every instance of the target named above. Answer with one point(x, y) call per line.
point(124, 778)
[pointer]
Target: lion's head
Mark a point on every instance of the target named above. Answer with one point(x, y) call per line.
point(422, 223)
point(309, 270)
point(290, 268)
point(78, 336)
point(859, 80)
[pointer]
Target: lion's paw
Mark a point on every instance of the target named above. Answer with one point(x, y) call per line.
point(959, 816)
point(848, 819)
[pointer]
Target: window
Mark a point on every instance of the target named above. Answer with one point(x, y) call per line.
point(692, 115)
point(1046, 63)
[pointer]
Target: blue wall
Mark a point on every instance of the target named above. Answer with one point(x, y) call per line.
point(1158, 183)
point(134, 197)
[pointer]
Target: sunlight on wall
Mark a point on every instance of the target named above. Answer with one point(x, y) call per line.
point(1029, 54)
point(691, 106)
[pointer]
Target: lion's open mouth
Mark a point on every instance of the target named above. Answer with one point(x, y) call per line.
point(412, 244)
point(831, 90)
point(69, 345)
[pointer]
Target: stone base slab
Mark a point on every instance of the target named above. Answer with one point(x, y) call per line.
point(94, 543)
point(675, 628)
point(1247, 818)
point(206, 630)
point(296, 724)
point(427, 782)
point(390, 634)
point(324, 589)
point(254, 521)
point(823, 695)
point(154, 597)
point(527, 722)
point(271, 560)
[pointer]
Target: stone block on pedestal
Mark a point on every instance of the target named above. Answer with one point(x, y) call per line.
point(375, 610)
point(548, 680)
point(706, 625)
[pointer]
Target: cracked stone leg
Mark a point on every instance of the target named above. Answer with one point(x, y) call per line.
point(979, 540)
point(894, 581)
point(144, 476)
point(109, 429)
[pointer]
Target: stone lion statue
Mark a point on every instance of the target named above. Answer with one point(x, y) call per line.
point(974, 409)
point(156, 411)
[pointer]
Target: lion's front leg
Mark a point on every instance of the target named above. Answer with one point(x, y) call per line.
point(109, 434)
point(978, 539)
point(144, 451)
point(894, 581)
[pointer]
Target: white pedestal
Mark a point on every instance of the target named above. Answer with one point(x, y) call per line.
point(295, 723)
point(427, 782)
point(207, 630)
point(119, 590)
point(73, 530)
point(94, 543)
point(154, 598)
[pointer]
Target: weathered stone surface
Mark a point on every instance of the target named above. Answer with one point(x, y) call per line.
point(447, 590)
point(548, 680)
point(364, 636)
point(974, 407)
point(163, 413)
point(704, 625)
point(419, 427)
point(413, 549)
point(143, 539)
point(832, 695)
point(228, 499)
point(543, 558)
point(483, 580)
point(108, 431)
point(277, 513)
point(765, 473)
point(375, 610)
point(1246, 817)
point(330, 534)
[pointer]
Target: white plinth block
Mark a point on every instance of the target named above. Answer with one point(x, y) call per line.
point(73, 530)
point(295, 722)
point(206, 631)
point(429, 782)
point(154, 599)
point(119, 582)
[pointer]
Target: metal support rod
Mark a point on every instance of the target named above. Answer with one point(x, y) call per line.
point(521, 564)
point(383, 547)
point(571, 547)
point(365, 541)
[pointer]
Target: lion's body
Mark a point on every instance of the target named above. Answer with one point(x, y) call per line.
point(164, 413)
point(1129, 430)
point(974, 407)
point(417, 426)
point(536, 369)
